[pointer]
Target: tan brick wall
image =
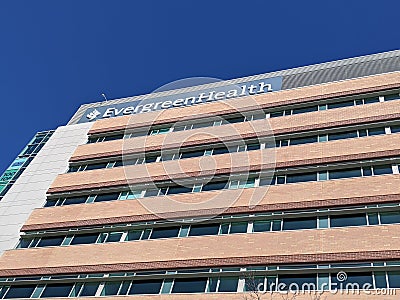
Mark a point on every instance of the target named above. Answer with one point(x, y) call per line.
point(298, 95)
point(239, 131)
point(377, 146)
point(180, 252)
point(299, 195)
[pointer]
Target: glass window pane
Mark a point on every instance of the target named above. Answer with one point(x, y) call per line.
point(395, 129)
point(300, 281)
point(376, 131)
point(168, 232)
point(390, 217)
point(346, 173)
point(380, 280)
point(204, 229)
point(251, 147)
point(360, 278)
point(192, 154)
point(342, 135)
point(145, 287)
point(340, 104)
point(381, 170)
point(293, 178)
point(348, 220)
point(20, 291)
point(202, 125)
point(107, 197)
point(114, 237)
point(275, 114)
point(300, 223)
point(110, 288)
point(57, 290)
point(96, 166)
point(219, 185)
point(276, 225)
point(212, 285)
point(238, 227)
point(50, 241)
point(228, 284)
point(303, 140)
point(75, 200)
point(371, 100)
point(133, 235)
point(24, 243)
point(302, 110)
point(50, 203)
point(114, 137)
point(189, 285)
point(373, 219)
point(259, 226)
point(394, 279)
point(220, 150)
point(254, 283)
point(233, 120)
point(89, 289)
point(179, 190)
point(90, 238)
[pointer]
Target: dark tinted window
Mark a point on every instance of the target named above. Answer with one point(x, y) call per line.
point(394, 279)
point(233, 120)
point(89, 289)
point(380, 170)
point(293, 178)
point(114, 237)
point(178, 190)
point(118, 163)
point(276, 114)
point(348, 220)
point(134, 235)
point(75, 200)
point(354, 278)
point(50, 203)
point(57, 290)
point(219, 185)
point(259, 226)
point(228, 284)
point(303, 110)
point(304, 140)
point(251, 147)
point(158, 233)
point(342, 135)
point(85, 239)
point(341, 104)
point(151, 192)
point(395, 129)
point(50, 241)
point(192, 154)
point(20, 291)
point(110, 288)
point(371, 100)
point(145, 287)
point(346, 173)
point(204, 229)
point(220, 150)
point(202, 125)
point(390, 217)
point(300, 223)
point(299, 280)
point(96, 166)
point(113, 137)
point(107, 197)
point(376, 131)
point(150, 159)
point(239, 227)
point(24, 243)
point(189, 285)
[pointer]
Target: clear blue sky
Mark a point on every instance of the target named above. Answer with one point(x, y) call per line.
point(57, 55)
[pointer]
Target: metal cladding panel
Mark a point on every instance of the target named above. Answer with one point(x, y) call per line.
point(292, 78)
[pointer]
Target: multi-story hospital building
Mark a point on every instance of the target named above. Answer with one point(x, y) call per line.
point(237, 189)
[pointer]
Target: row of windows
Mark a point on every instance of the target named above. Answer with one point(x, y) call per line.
point(243, 283)
point(259, 225)
point(252, 180)
point(340, 135)
point(229, 119)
